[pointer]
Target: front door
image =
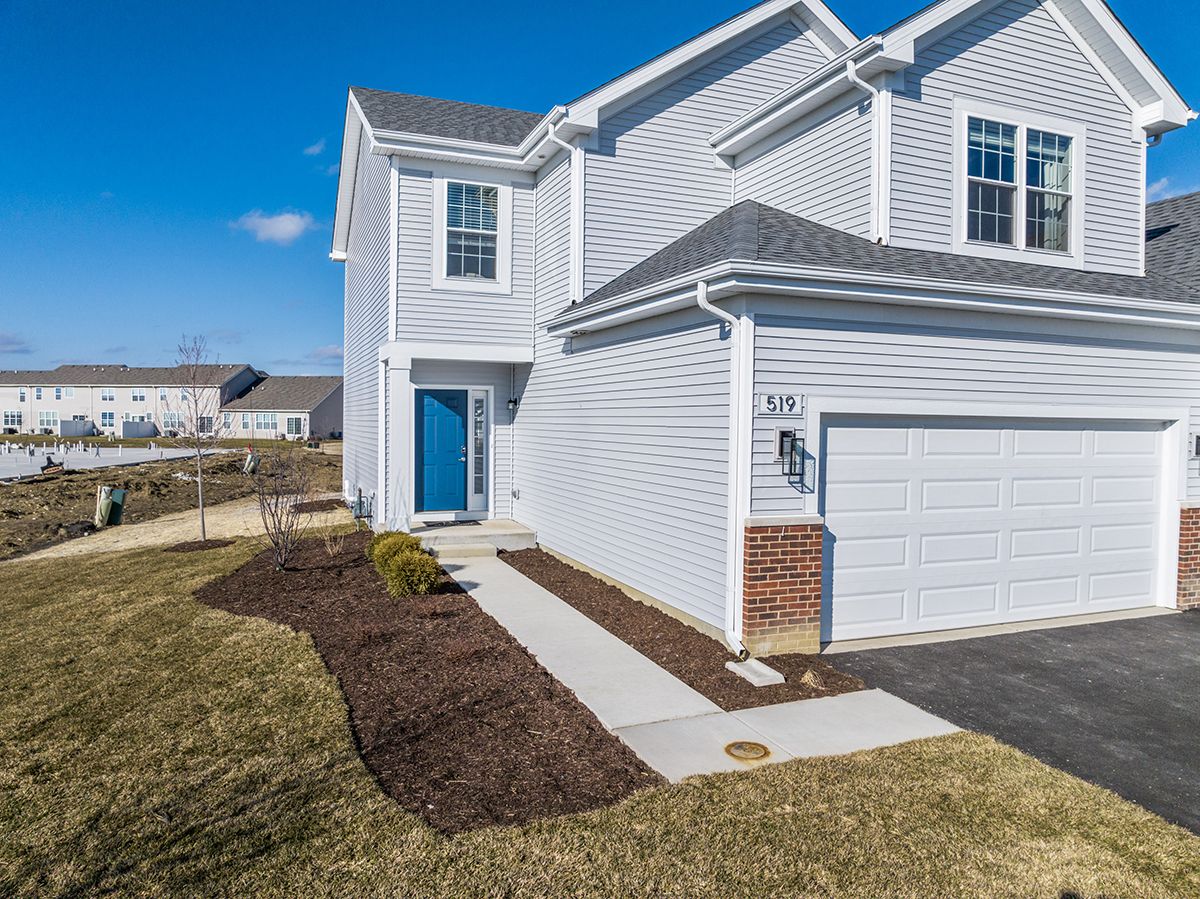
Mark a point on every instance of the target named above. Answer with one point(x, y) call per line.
point(441, 444)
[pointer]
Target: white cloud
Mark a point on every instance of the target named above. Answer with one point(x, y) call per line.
point(281, 228)
point(316, 149)
point(12, 343)
point(226, 335)
point(333, 169)
point(326, 352)
point(1158, 187)
point(107, 194)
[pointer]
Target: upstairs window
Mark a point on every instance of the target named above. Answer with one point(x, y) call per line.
point(138, 394)
point(162, 394)
point(1019, 186)
point(472, 230)
point(37, 393)
point(108, 394)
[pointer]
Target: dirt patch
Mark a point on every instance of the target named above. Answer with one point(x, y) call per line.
point(38, 512)
point(458, 722)
point(695, 659)
point(320, 505)
point(193, 546)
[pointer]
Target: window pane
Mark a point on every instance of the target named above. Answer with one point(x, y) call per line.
point(472, 206)
point(991, 150)
point(1048, 161)
point(990, 213)
point(1046, 225)
point(470, 255)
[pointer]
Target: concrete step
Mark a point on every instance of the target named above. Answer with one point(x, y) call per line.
point(502, 533)
point(463, 550)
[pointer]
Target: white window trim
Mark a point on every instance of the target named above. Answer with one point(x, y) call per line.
point(441, 281)
point(965, 108)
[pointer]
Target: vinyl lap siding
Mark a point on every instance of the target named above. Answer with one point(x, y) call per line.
point(367, 291)
point(653, 177)
point(1015, 55)
point(623, 453)
point(897, 358)
point(446, 316)
point(823, 174)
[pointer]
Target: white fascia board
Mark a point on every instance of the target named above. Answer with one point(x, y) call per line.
point(810, 93)
point(616, 93)
point(830, 33)
point(352, 135)
point(735, 278)
point(396, 351)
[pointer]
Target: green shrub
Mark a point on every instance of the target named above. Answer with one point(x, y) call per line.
point(411, 573)
point(389, 543)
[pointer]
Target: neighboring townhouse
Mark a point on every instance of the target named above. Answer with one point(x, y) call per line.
point(806, 336)
point(77, 400)
point(303, 407)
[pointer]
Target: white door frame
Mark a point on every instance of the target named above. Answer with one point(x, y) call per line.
point(467, 514)
point(1174, 460)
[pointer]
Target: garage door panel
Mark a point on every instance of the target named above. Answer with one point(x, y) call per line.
point(980, 525)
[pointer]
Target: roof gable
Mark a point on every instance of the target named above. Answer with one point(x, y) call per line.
point(286, 393)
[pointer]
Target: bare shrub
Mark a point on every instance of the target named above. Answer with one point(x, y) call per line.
point(283, 481)
point(812, 680)
point(334, 544)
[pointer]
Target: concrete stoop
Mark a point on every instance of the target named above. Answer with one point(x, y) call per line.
point(500, 533)
point(463, 550)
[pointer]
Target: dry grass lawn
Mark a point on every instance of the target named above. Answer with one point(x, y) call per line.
point(150, 746)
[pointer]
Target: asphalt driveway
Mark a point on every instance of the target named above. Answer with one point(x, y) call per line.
point(1116, 704)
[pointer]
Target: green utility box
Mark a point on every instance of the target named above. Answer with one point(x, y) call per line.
point(110, 506)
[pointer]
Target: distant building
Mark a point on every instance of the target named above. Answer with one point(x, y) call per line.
point(297, 408)
point(78, 400)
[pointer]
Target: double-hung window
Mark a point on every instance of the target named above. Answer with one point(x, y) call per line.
point(37, 393)
point(1019, 186)
point(266, 421)
point(472, 230)
point(108, 419)
point(138, 395)
point(48, 419)
point(12, 419)
point(108, 394)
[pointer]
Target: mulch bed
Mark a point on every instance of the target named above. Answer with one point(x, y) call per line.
point(320, 505)
point(457, 720)
point(194, 546)
point(697, 660)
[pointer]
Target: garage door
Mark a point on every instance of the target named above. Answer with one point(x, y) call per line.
point(938, 524)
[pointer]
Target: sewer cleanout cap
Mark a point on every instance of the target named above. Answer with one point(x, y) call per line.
point(747, 751)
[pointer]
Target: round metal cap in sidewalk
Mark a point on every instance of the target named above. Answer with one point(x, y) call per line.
point(747, 751)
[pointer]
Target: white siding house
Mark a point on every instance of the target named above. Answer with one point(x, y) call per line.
point(805, 336)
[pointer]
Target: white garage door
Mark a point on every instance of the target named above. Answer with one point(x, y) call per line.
point(947, 524)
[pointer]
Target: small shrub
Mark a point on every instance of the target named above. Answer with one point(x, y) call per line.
point(334, 544)
point(410, 573)
point(391, 542)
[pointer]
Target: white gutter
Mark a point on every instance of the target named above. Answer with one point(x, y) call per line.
point(736, 534)
point(880, 201)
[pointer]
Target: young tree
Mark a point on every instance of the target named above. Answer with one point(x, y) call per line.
point(193, 409)
point(283, 482)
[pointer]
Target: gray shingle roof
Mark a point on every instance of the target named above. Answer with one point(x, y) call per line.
point(114, 376)
point(445, 118)
point(752, 232)
point(301, 393)
point(1173, 239)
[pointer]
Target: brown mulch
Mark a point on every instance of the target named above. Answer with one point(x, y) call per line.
point(697, 660)
point(320, 505)
point(458, 722)
point(193, 546)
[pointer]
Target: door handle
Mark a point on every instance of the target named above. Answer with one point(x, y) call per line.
point(463, 457)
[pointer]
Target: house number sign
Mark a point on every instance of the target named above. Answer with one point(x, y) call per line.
point(780, 404)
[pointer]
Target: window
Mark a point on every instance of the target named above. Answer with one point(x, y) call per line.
point(108, 419)
point(108, 394)
point(37, 393)
point(226, 420)
point(138, 395)
point(1018, 186)
point(78, 418)
point(206, 424)
point(162, 394)
point(58, 393)
point(266, 421)
point(21, 392)
point(183, 394)
point(48, 419)
point(472, 227)
point(295, 427)
point(172, 421)
point(245, 421)
point(12, 419)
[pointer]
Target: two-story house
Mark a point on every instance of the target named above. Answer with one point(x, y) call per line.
point(806, 336)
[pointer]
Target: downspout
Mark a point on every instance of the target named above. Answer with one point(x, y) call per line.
point(573, 154)
point(877, 200)
point(733, 605)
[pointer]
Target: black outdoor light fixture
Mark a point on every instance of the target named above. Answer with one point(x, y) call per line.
point(789, 450)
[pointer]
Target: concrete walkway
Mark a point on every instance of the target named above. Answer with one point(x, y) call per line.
point(674, 729)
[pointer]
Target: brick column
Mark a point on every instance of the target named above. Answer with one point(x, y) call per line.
point(781, 584)
point(1188, 591)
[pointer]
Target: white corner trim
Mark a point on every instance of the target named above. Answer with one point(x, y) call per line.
point(393, 247)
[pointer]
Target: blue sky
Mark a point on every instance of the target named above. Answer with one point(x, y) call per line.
point(170, 169)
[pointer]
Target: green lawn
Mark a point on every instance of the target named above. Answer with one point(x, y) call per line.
point(150, 746)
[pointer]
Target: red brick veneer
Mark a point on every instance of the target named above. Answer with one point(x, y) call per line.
point(781, 587)
point(1188, 590)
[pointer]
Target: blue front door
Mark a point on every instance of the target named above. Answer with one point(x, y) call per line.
point(441, 442)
